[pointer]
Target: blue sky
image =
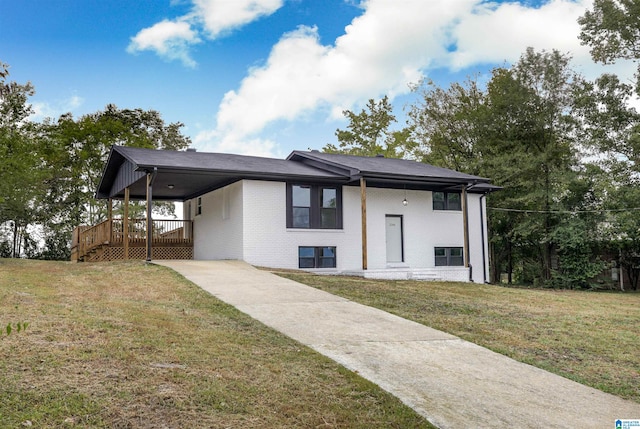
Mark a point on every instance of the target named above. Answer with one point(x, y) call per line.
point(265, 77)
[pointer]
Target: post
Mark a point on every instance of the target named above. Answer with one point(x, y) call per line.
point(110, 218)
point(482, 241)
point(125, 224)
point(150, 178)
point(363, 206)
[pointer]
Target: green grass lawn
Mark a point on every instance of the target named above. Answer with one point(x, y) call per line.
point(130, 345)
point(590, 337)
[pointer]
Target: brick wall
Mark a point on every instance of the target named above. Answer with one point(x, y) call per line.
point(218, 230)
point(268, 242)
point(253, 228)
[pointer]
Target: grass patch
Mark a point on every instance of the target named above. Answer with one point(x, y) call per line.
point(590, 337)
point(130, 345)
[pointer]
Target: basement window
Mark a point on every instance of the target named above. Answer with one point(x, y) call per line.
point(316, 257)
point(449, 257)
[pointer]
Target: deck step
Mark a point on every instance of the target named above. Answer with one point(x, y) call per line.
point(425, 276)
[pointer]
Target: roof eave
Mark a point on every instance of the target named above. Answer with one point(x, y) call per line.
point(471, 180)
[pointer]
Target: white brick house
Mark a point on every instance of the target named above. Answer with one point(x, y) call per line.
point(370, 216)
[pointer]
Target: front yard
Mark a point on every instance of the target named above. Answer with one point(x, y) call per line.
point(130, 345)
point(590, 337)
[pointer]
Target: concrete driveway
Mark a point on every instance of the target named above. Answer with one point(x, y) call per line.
point(451, 382)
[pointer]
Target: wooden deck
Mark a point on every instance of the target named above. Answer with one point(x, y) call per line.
point(108, 241)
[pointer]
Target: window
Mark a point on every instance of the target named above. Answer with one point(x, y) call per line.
point(328, 208)
point(447, 201)
point(314, 206)
point(316, 257)
point(199, 206)
point(301, 202)
point(449, 257)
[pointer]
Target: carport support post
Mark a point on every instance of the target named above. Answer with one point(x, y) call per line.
point(363, 206)
point(125, 224)
point(150, 178)
point(110, 218)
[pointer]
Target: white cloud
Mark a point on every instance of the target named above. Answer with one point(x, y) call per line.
point(392, 44)
point(495, 33)
point(381, 52)
point(43, 110)
point(169, 39)
point(212, 141)
point(173, 39)
point(220, 16)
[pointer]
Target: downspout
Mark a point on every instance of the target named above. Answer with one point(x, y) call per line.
point(484, 255)
point(151, 176)
point(465, 220)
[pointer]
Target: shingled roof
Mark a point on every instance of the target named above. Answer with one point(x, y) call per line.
point(181, 175)
point(381, 167)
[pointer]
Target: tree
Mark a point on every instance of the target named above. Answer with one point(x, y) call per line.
point(612, 30)
point(81, 147)
point(50, 171)
point(610, 132)
point(368, 133)
point(621, 231)
point(519, 131)
point(447, 123)
point(21, 169)
point(78, 149)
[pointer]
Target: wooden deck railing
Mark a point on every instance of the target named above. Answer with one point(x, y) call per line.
point(165, 233)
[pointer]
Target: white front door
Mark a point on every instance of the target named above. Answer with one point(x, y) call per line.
point(394, 238)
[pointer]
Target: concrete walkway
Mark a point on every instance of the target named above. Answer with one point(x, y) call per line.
point(451, 382)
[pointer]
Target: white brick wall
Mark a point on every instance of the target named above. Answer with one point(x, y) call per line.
point(423, 227)
point(268, 242)
point(214, 236)
point(476, 232)
point(256, 229)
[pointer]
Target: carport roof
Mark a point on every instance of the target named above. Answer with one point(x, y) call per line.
point(182, 175)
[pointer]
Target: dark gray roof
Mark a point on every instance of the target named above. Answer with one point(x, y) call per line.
point(186, 174)
point(220, 162)
point(183, 175)
point(382, 167)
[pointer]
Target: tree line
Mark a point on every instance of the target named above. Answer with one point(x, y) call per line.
point(50, 170)
point(564, 149)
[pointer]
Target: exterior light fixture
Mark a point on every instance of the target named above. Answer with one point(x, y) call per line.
point(405, 201)
point(170, 186)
